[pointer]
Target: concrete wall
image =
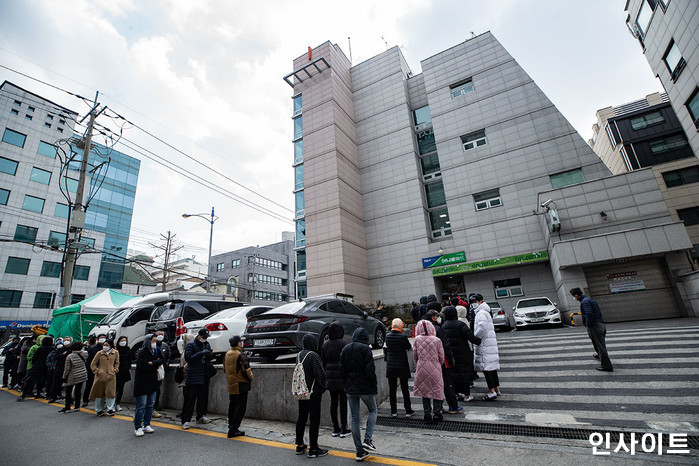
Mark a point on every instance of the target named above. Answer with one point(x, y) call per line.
point(270, 397)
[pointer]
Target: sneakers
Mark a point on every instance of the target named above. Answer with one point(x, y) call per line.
point(74, 410)
point(428, 418)
point(157, 414)
point(468, 398)
point(138, 432)
point(64, 410)
point(148, 430)
point(317, 453)
point(490, 398)
point(99, 413)
point(456, 410)
point(185, 425)
point(237, 433)
point(84, 405)
point(438, 418)
point(301, 449)
point(118, 408)
point(409, 413)
point(362, 455)
point(596, 356)
point(345, 432)
point(110, 412)
point(394, 414)
point(604, 369)
point(203, 420)
point(336, 432)
point(368, 444)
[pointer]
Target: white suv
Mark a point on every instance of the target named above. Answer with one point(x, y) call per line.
point(536, 311)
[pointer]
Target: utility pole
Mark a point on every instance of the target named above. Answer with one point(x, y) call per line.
point(77, 216)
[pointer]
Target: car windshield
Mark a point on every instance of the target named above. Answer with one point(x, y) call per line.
point(533, 303)
point(116, 317)
point(228, 313)
point(493, 304)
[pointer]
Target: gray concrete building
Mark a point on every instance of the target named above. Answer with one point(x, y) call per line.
point(667, 33)
point(465, 178)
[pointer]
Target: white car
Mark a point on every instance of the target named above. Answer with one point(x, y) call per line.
point(536, 311)
point(127, 322)
point(222, 326)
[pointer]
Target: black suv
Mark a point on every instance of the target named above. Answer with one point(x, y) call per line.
point(172, 316)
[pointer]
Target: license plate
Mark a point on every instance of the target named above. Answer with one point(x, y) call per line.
point(541, 319)
point(265, 342)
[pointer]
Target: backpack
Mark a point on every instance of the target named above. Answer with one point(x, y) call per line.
point(299, 387)
point(51, 361)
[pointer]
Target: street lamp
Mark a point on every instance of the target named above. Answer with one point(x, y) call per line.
point(211, 238)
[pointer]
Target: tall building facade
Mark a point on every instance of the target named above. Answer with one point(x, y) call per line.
point(667, 33)
point(464, 178)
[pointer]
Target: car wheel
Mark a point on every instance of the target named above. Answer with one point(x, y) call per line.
point(324, 336)
point(379, 338)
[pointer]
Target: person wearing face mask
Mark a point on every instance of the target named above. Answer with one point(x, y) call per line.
point(74, 375)
point(124, 374)
point(105, 366)
point(51, 361)
point(62, 353)
point(198, 355)
point(460, 338)
point(145, 384)
point(449, 363)
point(94, 345)
point(165, 350)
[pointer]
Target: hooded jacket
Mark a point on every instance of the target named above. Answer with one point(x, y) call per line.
point(357, 365)
point(330, 355)
point(429, 357)
point(486, 357)
point(32, 350)
point(459, 334)
point(105, 367)
point(146, 377)
point(75, 370)
point(25, 346)
point(39, 369)
point(432, 303)
point(312, 365)
point(397, 347)
point(238, 372)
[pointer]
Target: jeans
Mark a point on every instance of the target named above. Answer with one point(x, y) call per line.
point(597, 332)
point(338, 398)
point(69, 395)
point(491, 378)
point(195, 394)
point(309, 408)
point(392, 387)
point(100, 404)
point(435, 406)
point(237, 404)
point(144, 410)
point(370, 403)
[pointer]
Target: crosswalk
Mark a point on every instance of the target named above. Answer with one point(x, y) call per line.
point(549, 379)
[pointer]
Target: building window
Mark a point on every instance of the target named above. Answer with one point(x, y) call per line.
point(488, 199)
point(76, 298)
point(61, 122)
point(51, 269)
point(610, 135)
point(40, 176)
point(56, 239)
point(8, 166)
point(33, 204)
point(511, 287)
point(14, 138)
point(298, 104)
point(301, 290)
point(667, 144)
point(31, 109)
point(49, 150)
point(43, 300)
point(220, 266)
point(269, 296)
point(69, 184)
point(270, 264)
point(298, 127)
point(61, 210)
point(235, 263)
point(299, 201)
point(425, 142)
point(474, 140)
point(567, 178)
point(266, 279)
point(673, 60)
point(17, 265)
point(301, 261)
point(298, 151)
point(47, 125)
point(298, 177)
point(422, 118)
point(689, 216)
point(60, 130)
point(300, 233)
point(14, 111)
point(682, 176)
point(439, 223)
point(644, 16)
point(10, 298)
point(693, 107)
point(28, 117)
point(49, 117)
point(430, 167)
point(435, 194)
point(88, 242)
point(25, 234)
point(81, 272)
point(644, 121)
point(461, 88)
point(4, 196)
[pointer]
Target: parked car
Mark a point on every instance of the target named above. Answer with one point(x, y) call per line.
point(500, 318)
point(221, 327)
point(172, 316)
point(127, 322)
point(281, 330)
point(536, 311)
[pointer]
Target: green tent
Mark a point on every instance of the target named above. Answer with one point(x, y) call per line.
point(78, 319)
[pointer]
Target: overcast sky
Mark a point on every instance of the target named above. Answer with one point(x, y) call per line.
point(206, 77)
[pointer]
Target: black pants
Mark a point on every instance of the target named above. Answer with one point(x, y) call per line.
point(195, 394)
point(309, 408)
point(449, 393)
point(491, 378)
point(434, 405)
point(392, 398)
point(338, 398)
point(237, 404)
point(70, 390)
point(49, 384)
point(19, 377)
point(29, 382)
point(56, 386)
point(88, 385)
point(7, 372)
point(157, 396)
point(119, 389)
point(597, 333)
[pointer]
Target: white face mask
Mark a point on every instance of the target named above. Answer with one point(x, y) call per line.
point(154, 345)
point(439, 320)
point(101, 340)
point(122, 343)
point(160, 337)
point(59, 346)
point(107, 349)
point(203, 340)
point(67, 343)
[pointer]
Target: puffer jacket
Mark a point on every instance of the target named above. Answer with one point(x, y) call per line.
point(429, 357)
point(486, 357)
point(75, 370)
point(397, 347)
point(32, 350)
point(433, 304)
point(330, 355)
point(312, 364)
point(238, 372)
point(357, 365)
point(198, 355)
point(459, 334)
point(23, 353)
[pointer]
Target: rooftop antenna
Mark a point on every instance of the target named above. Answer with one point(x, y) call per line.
point(385, 42)
point(473, 35)
point(349, 42)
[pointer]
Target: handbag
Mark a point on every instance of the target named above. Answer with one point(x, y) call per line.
point(179, 374)
point(212, 370)
point(161, 373)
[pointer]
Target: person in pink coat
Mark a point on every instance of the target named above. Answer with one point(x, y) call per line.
point(429, 357)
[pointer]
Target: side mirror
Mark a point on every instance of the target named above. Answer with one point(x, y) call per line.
point(555, 304)
point(513, 308)
point(365, 314)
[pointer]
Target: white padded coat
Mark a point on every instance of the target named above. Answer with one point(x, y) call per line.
point(485, 355)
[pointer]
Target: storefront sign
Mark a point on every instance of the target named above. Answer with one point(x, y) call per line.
point(628, 285)
point(445, 259)
point(492, 263)
point(20, 324)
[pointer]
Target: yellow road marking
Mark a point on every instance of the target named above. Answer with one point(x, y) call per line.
point(256, 441)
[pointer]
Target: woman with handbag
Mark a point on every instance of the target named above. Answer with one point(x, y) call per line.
point(149, 370)
point(105, 366)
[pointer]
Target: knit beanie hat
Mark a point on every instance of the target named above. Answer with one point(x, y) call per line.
point(397, 324)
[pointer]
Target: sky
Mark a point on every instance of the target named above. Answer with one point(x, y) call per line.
point(205, 77)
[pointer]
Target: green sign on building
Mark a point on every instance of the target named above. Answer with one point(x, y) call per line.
point(491, 263)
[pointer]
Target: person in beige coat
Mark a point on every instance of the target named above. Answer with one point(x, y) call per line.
point(105, 366)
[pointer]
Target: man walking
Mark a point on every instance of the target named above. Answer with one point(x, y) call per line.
point(357, 366)
point(238, 379)
point(592, 319)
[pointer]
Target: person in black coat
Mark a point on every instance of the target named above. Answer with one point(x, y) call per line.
point(94, 346)
point(124, 374)
point(317, 383)
point(145, 384)
point(198, 356)
point(459, 334)
point(433, 304)
point(397, 366)
point(330, 354)
point(449, 392)
point(37, 374)
point(11, 353)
